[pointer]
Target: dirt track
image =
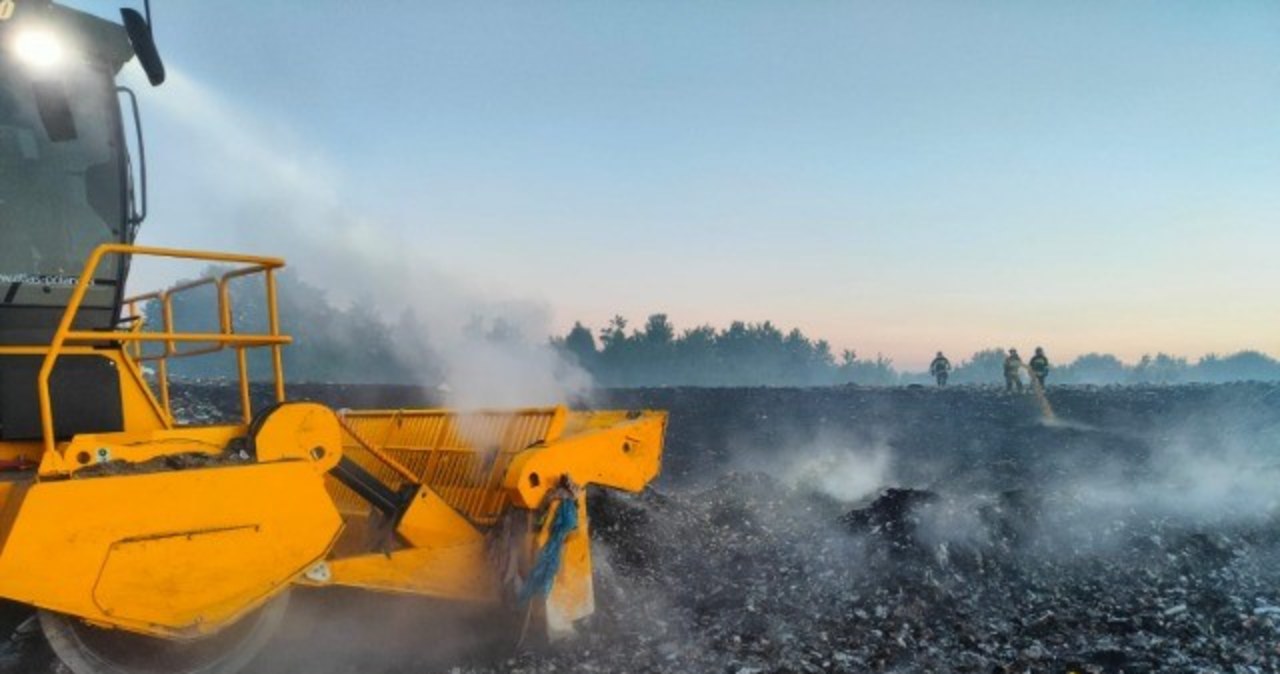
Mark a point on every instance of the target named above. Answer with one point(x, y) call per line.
point(1140, 534)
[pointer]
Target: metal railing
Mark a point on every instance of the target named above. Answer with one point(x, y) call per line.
point(226, 337)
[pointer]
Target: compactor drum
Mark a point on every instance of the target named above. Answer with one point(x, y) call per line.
point(147, 546)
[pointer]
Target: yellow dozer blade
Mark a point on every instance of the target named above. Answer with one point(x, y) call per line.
point(150, 546)
point(181, 547)
point(487, 488)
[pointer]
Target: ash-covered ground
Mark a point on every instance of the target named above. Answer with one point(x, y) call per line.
point(892, 530)
point(955, 530)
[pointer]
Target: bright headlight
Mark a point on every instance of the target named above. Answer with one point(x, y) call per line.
point(38, 48)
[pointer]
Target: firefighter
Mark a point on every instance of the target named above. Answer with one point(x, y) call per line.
point(1039, 366)
point(1012, 363)
point(940, 368)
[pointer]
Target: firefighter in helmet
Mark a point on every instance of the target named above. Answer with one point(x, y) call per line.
point(940, 368)
point(1039, 366)
point(1012, 363)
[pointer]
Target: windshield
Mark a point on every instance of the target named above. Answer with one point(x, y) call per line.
point(62, 181)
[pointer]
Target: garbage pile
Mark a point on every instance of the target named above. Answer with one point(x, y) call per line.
point(752, 576)
point(1091, 548)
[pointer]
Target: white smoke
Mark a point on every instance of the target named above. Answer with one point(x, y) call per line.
point(1212, 472)
point(1192, 478)
point(838, 467)
point(237, 182)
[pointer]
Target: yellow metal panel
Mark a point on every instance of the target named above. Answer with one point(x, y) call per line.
point(24, 452)
point(430, 521)
point(449, 557)
point(624, 454)
point(167, 579)
point(140, 410)
point(461, 572)
point(300, 430)
point(11, 493)
point(88, 449)
point(573, 594)
point(67, 531)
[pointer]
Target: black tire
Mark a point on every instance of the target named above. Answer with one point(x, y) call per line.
point(86, 649)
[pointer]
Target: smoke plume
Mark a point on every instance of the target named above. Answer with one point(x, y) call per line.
point(240, 183)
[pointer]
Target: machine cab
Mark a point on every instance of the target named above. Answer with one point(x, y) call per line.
point(66, 188)
point(65, 183)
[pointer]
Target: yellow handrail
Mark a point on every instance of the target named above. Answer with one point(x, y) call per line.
point(222, 339)
point(226, 325)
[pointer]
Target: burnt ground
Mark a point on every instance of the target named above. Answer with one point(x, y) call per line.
point(908, 529)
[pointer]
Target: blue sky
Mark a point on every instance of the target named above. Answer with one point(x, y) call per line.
point(896, 177)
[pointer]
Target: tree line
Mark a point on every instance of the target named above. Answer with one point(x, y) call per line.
point(331, 343)
point(761, 354)
point(354, 344)
point(742, 354)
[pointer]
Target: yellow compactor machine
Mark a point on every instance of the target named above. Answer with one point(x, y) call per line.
point(150, 546)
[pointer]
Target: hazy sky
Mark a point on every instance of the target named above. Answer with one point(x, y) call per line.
point(896, 177)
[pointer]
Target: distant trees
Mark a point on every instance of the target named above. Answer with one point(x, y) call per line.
point(878, 372)
point(356, 344)
point(1093, 368)
point(742, 354)
point(761, 354)
point(331, 344)
point(1241, 366)
point(984, 367)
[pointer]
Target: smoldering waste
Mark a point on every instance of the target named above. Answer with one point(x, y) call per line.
point(705, 581)
point(1047, 548)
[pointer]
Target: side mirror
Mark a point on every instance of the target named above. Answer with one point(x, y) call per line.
point(144, 45)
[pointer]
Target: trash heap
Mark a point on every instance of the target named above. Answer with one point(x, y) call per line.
point(752, 576)
point(1141, 535)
